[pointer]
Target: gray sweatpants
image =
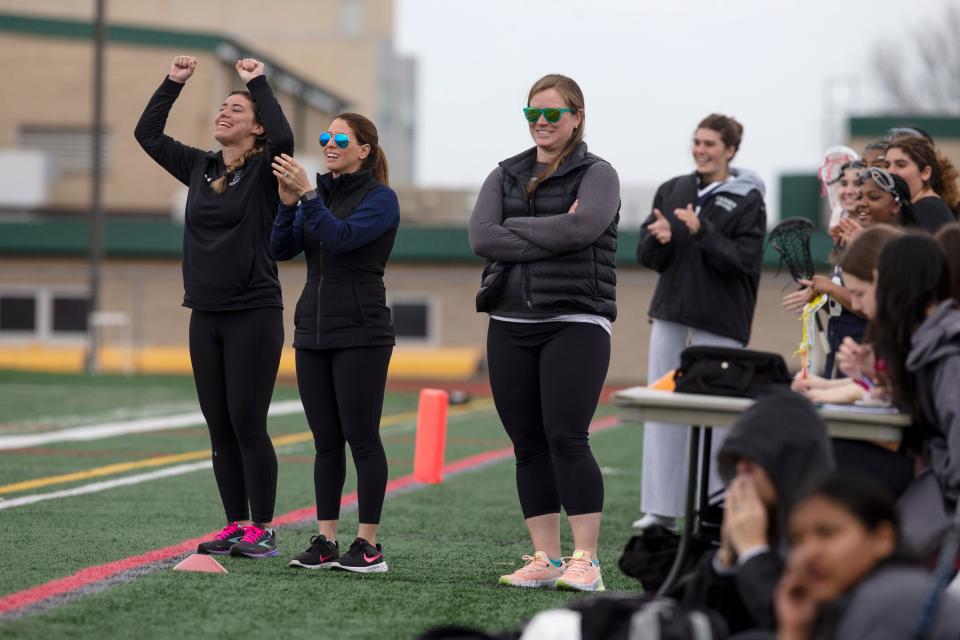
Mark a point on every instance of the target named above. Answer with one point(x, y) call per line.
point(664, 444)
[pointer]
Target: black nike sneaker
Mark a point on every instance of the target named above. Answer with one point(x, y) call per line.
point(362, 557)
point(321, 554)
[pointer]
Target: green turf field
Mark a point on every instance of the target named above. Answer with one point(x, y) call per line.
point(446, 544)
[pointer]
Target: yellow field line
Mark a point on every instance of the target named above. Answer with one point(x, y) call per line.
point(160, 461)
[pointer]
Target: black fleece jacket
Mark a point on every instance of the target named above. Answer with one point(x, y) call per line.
point(226, 262)
point(709, 280)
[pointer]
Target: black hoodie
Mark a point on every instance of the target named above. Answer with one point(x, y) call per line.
point(783, 434)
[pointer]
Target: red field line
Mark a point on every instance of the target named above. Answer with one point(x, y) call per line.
point(99, 573)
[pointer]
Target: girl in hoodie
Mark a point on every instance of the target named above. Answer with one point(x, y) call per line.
point(847, 578)
point(765, 470)
point(705, 239)
point(917, 332)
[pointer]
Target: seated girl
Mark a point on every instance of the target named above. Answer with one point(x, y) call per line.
point(847, 576)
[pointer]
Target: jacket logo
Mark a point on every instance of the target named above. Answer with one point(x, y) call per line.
point(726, 203)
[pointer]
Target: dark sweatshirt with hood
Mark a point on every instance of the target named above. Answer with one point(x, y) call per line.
point(708, 280)
point(784, 435)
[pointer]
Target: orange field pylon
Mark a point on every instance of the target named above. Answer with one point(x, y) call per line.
point(431, 436)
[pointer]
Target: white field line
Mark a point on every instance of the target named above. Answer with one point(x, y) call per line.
point(143, 425)
point(107, 484)
point(96, 487)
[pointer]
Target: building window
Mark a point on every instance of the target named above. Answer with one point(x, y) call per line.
point(70, 148)
point(69, 314)
point(413, 319)
point(351, 18)
point(43, 314)
point(18, 313)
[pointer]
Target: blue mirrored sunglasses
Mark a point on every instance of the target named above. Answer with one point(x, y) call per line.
point(340, 139)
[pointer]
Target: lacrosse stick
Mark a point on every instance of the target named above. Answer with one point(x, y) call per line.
point(829, 174)
point(791, 238)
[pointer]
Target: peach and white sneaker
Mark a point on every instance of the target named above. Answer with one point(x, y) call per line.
point(536, 573)
point(582, 573)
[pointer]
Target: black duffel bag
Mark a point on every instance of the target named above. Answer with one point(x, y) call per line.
point(725, 371)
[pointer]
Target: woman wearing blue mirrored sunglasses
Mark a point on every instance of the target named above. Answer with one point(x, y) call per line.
point(343, 332)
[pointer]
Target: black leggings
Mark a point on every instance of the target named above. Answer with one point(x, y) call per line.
point(342, 394)
point(235, 357)
point(546, 380)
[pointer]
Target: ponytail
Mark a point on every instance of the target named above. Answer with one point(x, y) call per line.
point(377, 163)
point(220, 184)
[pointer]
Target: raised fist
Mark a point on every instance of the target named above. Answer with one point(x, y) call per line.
point(248, 69)
point(182, 68)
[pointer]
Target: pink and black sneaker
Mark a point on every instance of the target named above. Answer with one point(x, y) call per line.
point(362, 557)
point(223, 541)
point(256, 543)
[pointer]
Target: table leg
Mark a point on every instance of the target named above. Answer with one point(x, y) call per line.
point(704, 476)
point(689, 517)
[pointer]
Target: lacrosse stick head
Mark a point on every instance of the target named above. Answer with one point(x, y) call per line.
point(829, 174)
point(791, 239)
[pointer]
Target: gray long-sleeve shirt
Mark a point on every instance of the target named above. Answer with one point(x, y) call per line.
point(527, 238)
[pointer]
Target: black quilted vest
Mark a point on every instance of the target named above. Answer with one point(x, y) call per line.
point(343, 303)
point(581, 281)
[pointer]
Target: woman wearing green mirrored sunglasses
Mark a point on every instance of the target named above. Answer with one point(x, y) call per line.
point(546, 221)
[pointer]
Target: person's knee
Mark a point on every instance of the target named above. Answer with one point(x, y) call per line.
point(566, 445)
point(251, 438)
point(365, 447)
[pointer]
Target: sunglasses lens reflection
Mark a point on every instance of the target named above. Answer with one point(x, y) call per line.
point(340, 139)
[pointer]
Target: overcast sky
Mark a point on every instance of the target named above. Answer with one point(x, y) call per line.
point(649, 71)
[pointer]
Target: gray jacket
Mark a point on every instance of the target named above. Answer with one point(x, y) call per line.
point(885, 606)
point(935, 360)
point(927, 506)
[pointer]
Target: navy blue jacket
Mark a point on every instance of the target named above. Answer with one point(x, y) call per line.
point(347, 235)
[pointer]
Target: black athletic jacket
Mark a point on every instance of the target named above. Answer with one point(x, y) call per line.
point(226, 264)
point(709, 280)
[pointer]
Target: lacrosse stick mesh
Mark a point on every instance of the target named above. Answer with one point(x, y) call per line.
point(791, 239)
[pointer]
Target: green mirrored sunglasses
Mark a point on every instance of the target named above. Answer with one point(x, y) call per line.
point(533, 114)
